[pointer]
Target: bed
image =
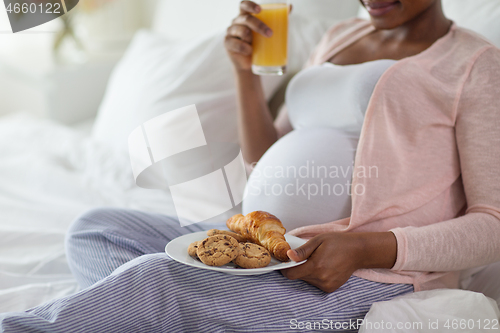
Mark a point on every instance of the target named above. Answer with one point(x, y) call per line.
point(51, 173)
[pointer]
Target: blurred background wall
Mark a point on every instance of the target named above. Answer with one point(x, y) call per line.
point(32, 79)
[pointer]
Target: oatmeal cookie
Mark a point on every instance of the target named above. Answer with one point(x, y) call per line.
point(218, 250)
point(192, 249)
point(252, 256)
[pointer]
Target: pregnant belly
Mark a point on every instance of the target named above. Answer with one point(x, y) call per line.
point(304, 178)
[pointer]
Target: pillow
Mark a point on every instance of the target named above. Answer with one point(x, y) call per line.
point(484, 280)
point(177, 20)
point(441, 310)
point(155, 77)
point(481, 16)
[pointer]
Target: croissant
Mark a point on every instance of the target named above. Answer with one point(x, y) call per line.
point(264, 229)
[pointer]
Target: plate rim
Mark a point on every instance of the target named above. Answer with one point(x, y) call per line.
point(248, 271)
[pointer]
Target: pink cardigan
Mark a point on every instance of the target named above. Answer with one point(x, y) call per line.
point(432, 129)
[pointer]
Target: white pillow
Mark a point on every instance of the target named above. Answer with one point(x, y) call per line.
point(156, 76)
point(485, 280)
point(441, 310)
point(481, 16)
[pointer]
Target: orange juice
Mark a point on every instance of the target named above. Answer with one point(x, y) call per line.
point(271, 52)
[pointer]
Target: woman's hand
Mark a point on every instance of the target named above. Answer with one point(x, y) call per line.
point(333, 257)
point(239, 35)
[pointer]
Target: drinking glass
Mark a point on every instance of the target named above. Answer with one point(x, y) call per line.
point(270, 54)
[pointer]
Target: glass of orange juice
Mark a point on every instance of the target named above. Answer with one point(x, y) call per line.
point(270, 54)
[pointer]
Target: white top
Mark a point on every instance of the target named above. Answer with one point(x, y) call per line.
point(333, 96)
point(305, 177)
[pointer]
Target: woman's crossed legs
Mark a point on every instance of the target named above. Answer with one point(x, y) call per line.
point(131, 285)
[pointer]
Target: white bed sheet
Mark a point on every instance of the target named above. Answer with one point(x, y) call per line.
point(50, 174)
point(442, 310)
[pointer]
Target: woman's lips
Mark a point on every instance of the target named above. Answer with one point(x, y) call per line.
point(380, 8)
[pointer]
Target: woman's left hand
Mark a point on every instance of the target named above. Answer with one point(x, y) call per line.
point(333, 257)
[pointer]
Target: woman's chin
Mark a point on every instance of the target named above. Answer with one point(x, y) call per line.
point(385, 23)
point(389, 18)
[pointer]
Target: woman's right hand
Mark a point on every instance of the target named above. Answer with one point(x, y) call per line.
point(239, 37)
point(333, 257)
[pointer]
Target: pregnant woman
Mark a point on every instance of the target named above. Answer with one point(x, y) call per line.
point(411, 99)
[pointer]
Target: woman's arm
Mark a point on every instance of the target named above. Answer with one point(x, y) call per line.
point(255, 123)
point(282, 122)
point(474, 239)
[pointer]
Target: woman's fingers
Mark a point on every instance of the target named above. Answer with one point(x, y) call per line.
point(254, 24)
point(299, 254)
point(249, 7)
point(239, 37)
point(240, 31)
point(331, 260)
point(236, 45)
point(298, 272)
point(303, 252)
point(326, 280)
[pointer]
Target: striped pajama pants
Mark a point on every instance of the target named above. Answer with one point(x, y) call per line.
point(130, 285)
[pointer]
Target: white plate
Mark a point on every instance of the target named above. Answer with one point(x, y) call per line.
point(177, 250)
